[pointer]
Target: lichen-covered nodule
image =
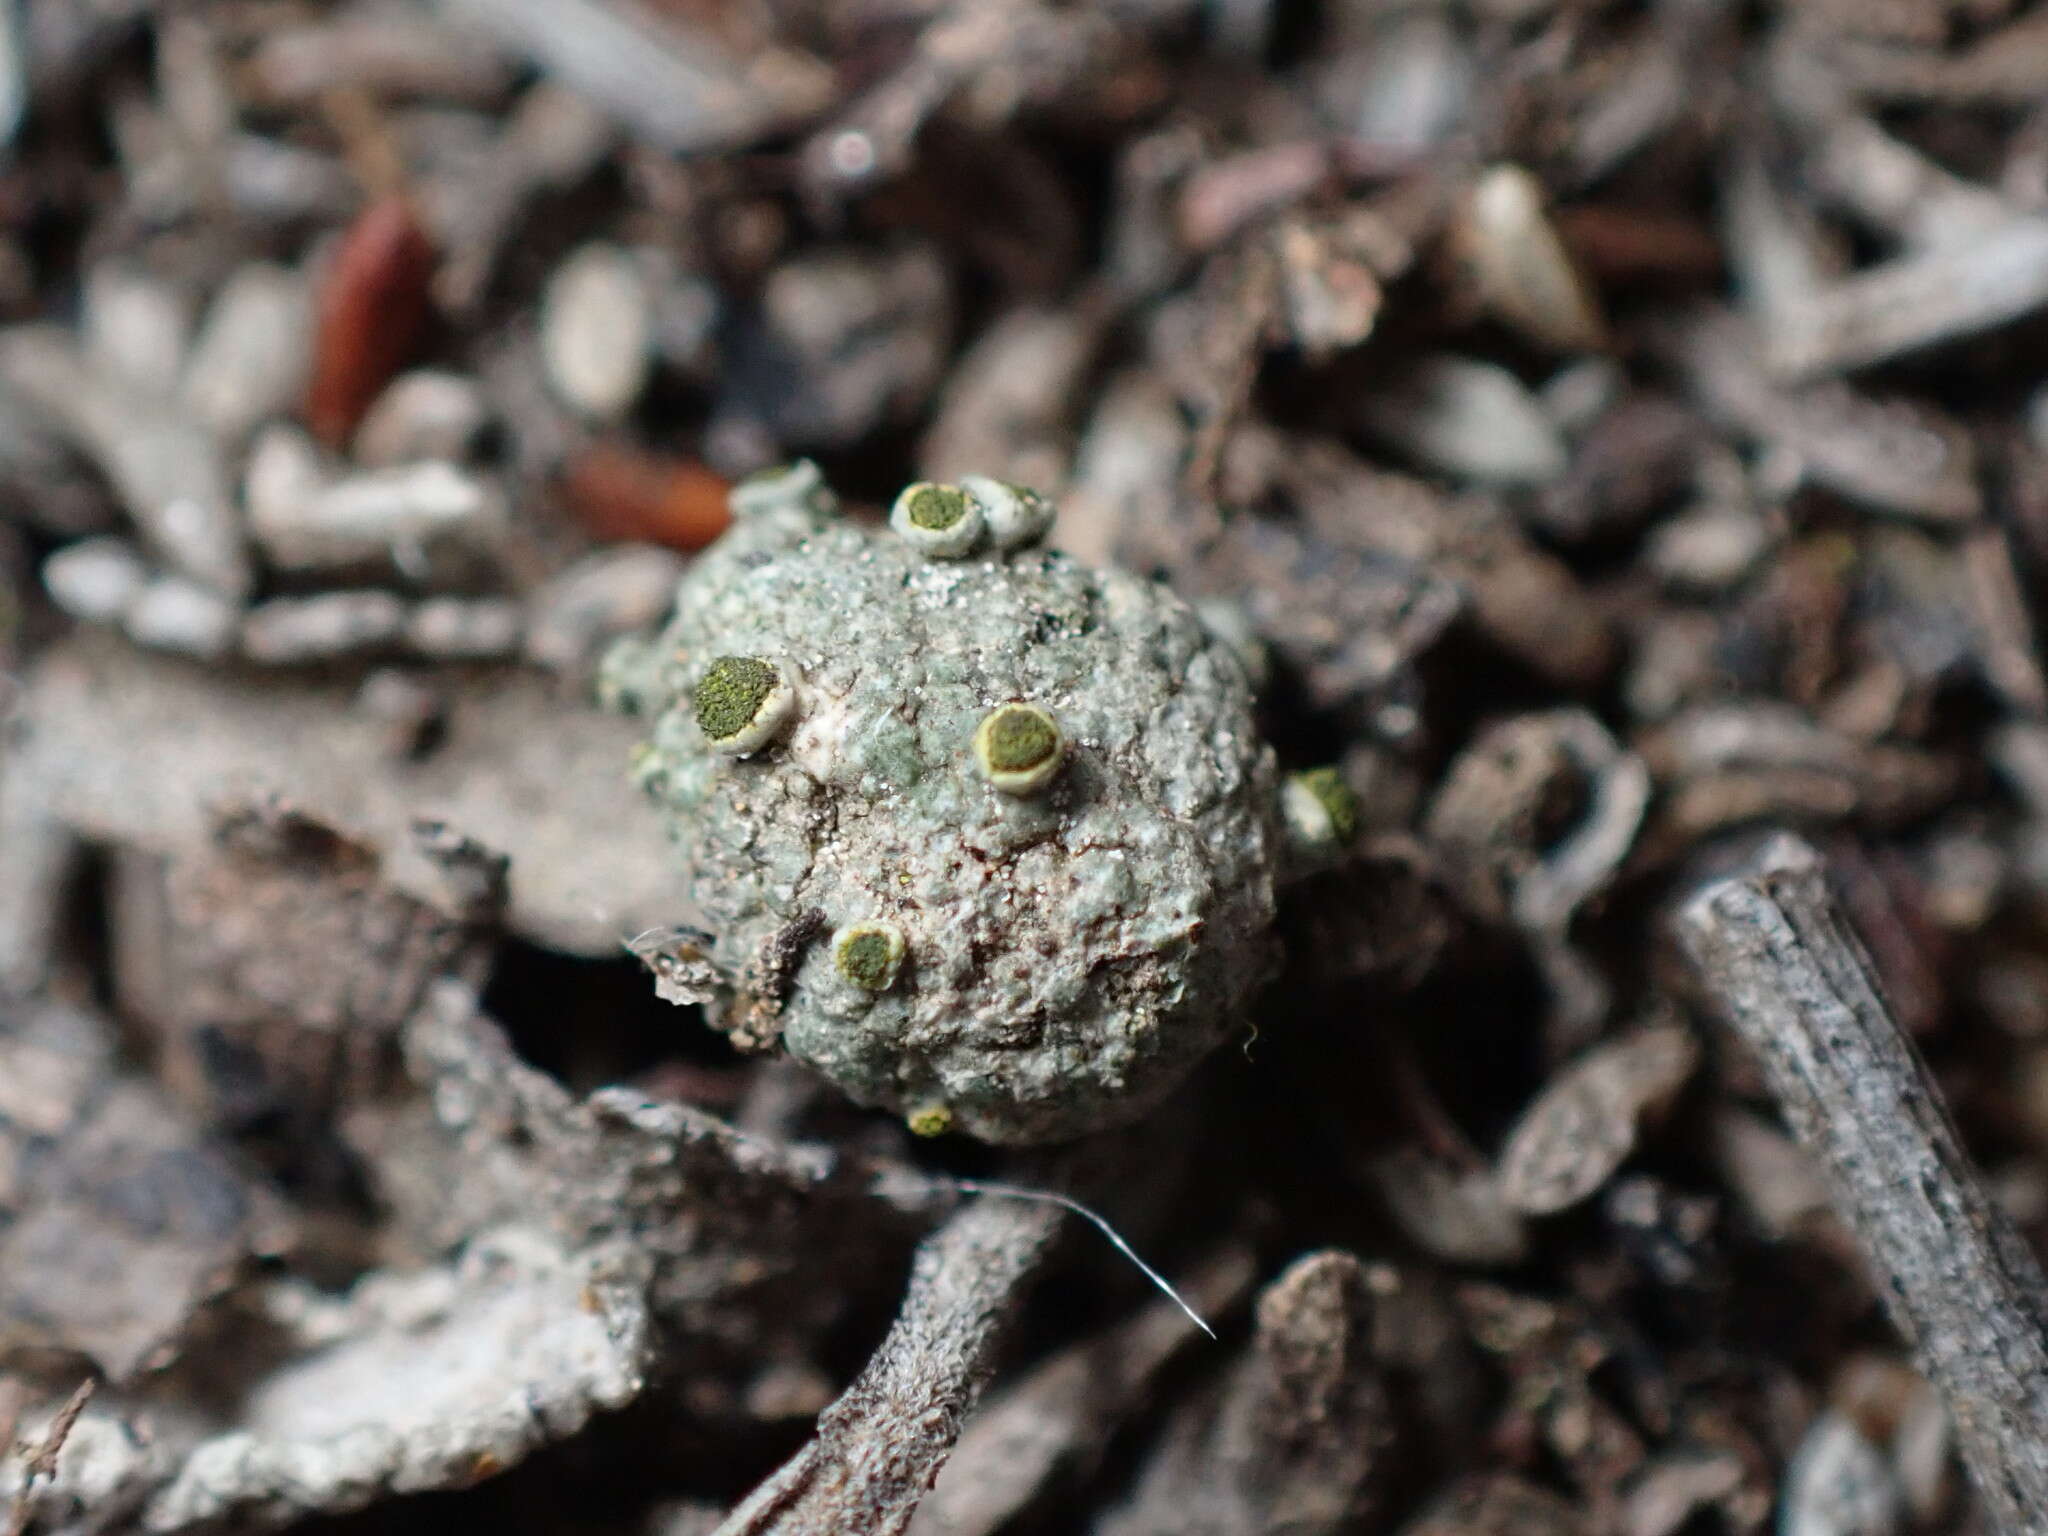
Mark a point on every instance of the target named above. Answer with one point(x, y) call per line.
point(1006, 866)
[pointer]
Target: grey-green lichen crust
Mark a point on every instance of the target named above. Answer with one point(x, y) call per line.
point(1068, 955)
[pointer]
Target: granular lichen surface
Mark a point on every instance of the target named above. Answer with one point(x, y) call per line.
point(1069, 955)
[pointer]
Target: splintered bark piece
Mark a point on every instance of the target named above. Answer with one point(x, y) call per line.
point(1052, 1426)
point(1914, 301)
point(41, 855)
point(674, 85)
point(879, 1447)
point(118, 1219)
point(1779, 958)
point(1892, 454)
point(164, 467)
point(1296, 1436)
point(130, 749)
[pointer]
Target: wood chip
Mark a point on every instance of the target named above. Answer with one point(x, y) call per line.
point(1586, 1123)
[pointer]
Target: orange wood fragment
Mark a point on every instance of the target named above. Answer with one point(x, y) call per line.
point(628, 495)
point(373, 308)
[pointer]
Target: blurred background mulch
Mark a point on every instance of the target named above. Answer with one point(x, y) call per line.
point(1612, 428)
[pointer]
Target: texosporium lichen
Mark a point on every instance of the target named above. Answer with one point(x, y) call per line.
point(1067, 953)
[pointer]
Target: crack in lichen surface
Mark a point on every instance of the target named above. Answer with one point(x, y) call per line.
point(1070, 954)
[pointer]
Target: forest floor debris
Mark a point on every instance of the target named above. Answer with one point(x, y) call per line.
point(1609, 435)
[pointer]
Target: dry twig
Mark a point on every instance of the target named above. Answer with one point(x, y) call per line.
point(879, 1447)
point(42, 1461)
point(1960, 1283)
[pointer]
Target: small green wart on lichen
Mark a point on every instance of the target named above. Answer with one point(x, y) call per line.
point(742, 701)
point(931, 1120)
point(1016, 515)
point(1322, 806)
point(937, 507)
point(941, 522)
point(798, 486)
point(1328, 786)
point(732, 694)
point(1018, 747)
point(868, 954)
